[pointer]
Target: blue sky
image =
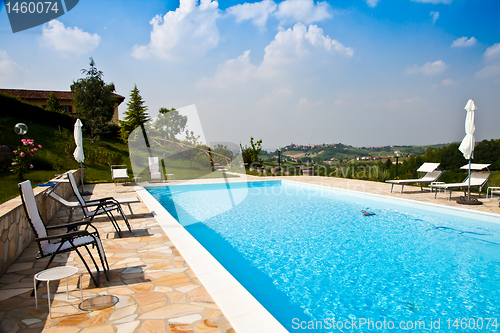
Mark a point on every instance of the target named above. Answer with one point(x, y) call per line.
point(360, 72)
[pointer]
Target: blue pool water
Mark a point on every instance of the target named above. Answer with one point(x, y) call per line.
point(309, 256)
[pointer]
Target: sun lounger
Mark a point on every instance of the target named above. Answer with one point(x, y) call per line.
point(154, 169)
point(119, 172)
point(431, 176)
point(477, 179)
point(71, 240)
point(71, 205)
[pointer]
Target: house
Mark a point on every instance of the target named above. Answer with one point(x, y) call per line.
point(40, 97)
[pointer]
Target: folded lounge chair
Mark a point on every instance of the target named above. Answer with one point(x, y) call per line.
point(154, 169)
point(54, 244)
point(102, 206)
point(431, 176)
point(477, 179)
point(71, 205)
point(119, 172)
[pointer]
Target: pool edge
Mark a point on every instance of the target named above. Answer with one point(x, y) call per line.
point(241, 309)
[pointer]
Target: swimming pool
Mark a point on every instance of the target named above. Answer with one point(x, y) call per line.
point(310, 256)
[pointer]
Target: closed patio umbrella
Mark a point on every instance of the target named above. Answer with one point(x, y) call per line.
point(467, 145)
point(78, 153)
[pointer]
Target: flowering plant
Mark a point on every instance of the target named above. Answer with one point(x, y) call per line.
point(21, 164)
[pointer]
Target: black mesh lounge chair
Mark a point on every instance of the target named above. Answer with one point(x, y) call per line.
point(71, 240)
point(72, 205)
point(102, 206)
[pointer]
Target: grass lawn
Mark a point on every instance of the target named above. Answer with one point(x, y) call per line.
point(9, 181)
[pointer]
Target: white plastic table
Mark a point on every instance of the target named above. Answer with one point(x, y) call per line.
point(171, 175)
point(57, 273)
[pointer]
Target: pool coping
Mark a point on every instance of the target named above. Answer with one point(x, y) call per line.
point(240, 308)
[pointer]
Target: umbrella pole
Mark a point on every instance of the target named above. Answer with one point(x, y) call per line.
point(469, 178)
point(81, 175)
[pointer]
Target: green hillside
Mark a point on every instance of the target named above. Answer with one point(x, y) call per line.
point(344, 153)
point(54, 131)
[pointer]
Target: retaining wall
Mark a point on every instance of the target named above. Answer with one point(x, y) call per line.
point(15, 231)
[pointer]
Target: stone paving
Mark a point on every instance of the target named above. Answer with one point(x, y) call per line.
point(155, 289)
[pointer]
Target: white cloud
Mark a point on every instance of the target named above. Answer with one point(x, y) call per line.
point(429, 68)
point(68, 40)
point(10, 72)
point(303, 103)
point(302, 11)
point(257, 12)
point(434, 2)
point(339, 103)
point(489, 71)
point(372, 3)
point(435, 16)
point(492, 52)
point(277, 97)
point(233, 71)
point(413, 100)
point(448, 82)
point(289, 49)
point(189, 31)
point(295, 43)
point(491, 56)
point(464, 42)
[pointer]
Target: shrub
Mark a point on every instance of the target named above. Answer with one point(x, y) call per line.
point(22, 162)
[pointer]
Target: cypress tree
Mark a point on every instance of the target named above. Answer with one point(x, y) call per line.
point(135, 114)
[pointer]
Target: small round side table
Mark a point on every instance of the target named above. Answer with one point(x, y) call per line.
point(57, 273)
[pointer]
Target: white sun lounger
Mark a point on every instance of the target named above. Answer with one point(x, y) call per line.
point(431, 176)
point(119, 172)
point(477, 179)
point(154, 169)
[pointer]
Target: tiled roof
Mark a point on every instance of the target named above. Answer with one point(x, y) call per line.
point(44, 94)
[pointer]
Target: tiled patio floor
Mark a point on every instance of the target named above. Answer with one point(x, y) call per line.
point(156, 290)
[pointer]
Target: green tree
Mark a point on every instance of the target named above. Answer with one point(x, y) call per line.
point(134, 116)
point(192, 152)
point(53, 103)
point(169, 123)
point(95, 102)
point(223, 150)
point(251, 154)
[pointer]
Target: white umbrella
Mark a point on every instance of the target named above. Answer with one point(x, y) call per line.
point(78, 153)
point(467, 145)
